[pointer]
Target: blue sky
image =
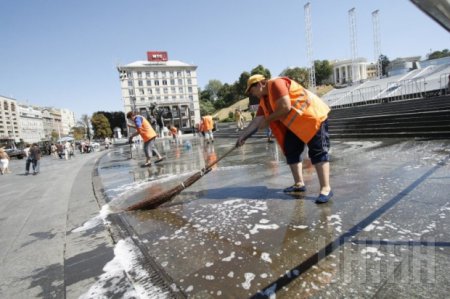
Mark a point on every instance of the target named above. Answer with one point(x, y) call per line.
point(64, 53)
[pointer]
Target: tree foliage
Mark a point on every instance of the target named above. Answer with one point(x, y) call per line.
point(323, 70)
point(438, 54)
point(213, 87)
point(116, 119)
point(297, 74)
point(78, 133)
point(384, 64)
point(85, 122)
point(101, 126)
point(262, 71)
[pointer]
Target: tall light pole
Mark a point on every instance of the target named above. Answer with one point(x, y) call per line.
point(309, 51)
point(376, 42)
point(353, 42)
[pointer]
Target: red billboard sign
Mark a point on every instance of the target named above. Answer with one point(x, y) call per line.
point(157, 56)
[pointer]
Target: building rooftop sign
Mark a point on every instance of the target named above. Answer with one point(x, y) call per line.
point(157, 56)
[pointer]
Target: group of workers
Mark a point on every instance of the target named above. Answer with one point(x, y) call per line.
point(295, 116)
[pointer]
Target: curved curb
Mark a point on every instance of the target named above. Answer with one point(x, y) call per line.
point(121, 229)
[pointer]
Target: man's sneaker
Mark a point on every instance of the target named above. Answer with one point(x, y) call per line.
point(324, 198)
point(295, 188)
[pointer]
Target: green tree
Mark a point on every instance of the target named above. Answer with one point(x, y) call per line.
point(206, 107)
point(323, 70)
point(438, 54)
point(78, 133)
point(85, 122)
point(116, 119)
point(384, 64)
point(55, 135)
point(241, 84)
point(213, 87)
point(298, 74)
point(262, 71)
point(101, 126)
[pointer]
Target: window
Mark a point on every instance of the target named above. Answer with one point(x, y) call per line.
point(149, 91)
point(140, 83)
point(158, 91)
point(189, 81)
point(141, 91)
point(166, 90)
point(129, 75)
point(147, 74)
point(174, 97)
point(155, 73)
point(188, 73)
point(173, 90)
point(163, 74)
point(178, 74)
point(172, 82)
point(142, 99)
point(149, 82)
point(180, 82)
point(171, 74)
point(157, 82)
point(189, 89)
point(131, 92)
point(130, 83)
point(180, 89)
point(164, 82)
point(139, 74)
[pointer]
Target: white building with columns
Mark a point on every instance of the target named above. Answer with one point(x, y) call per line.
point(343, 71)
point(169, 86)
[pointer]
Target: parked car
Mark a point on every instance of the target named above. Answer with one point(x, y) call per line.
point(11, 149)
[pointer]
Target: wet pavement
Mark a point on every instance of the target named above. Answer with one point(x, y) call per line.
point(235, 234)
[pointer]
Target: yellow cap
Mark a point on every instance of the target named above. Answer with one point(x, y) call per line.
point(252, 80)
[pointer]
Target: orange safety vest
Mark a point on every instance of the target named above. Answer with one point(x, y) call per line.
point(146, 131)
point(208, 123)
point(307, 113)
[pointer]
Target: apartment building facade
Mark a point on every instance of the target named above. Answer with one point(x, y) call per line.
point(9, 119)
point(166, 89)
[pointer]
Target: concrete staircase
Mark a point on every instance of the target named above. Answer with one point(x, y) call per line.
point(427, 117)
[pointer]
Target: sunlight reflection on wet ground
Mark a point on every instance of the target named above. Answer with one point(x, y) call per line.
point(235, 234)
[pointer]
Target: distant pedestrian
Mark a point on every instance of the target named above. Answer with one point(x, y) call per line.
point(26, 150)
point(107, 143)
point(145, 130)
point(54, 150)
point(207, 127)
point(4, 161)
point(33, 159)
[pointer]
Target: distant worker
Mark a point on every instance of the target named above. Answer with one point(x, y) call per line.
point(239, 118)
point(145, 130)
point(207, 128)
point(296, 117)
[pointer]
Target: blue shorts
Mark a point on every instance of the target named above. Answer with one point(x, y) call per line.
point(318, 146)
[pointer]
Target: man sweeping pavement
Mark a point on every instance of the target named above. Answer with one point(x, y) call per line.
point(296, 117)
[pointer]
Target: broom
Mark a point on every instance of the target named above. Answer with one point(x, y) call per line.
point(160, 198)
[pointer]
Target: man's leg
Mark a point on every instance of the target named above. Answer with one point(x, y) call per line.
point(323, 173)
point(297, 173)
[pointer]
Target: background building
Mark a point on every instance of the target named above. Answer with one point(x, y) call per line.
point(162, 87)
point(31, 124)
point(9, 119)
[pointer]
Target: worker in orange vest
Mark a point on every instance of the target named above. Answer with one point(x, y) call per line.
point(145, 130)
point(296, 117)
point(207, 125)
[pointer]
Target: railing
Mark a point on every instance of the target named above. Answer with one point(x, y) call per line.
point(444, 83)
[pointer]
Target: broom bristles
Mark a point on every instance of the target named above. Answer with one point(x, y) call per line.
point(160, 198)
